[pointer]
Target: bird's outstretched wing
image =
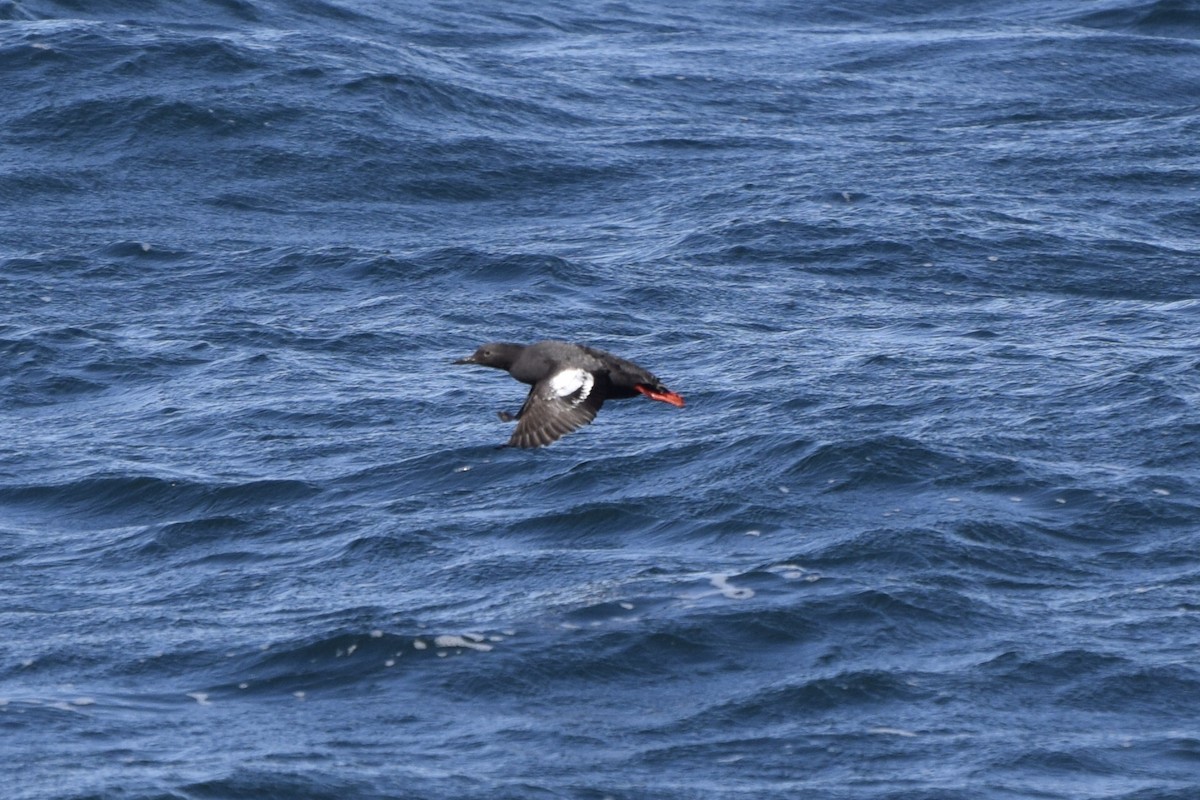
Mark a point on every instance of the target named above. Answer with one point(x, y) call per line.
point(556, 406)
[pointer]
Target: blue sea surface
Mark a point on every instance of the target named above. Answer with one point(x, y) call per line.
point(928, 274)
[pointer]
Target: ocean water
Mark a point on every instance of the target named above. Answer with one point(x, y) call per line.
point(928, 274)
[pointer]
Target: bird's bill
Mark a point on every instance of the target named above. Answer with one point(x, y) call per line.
point(467, 360)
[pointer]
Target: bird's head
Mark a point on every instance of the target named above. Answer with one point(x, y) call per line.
point(500, 355)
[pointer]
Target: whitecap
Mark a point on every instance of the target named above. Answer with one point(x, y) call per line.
point(722, 584)
point(892, 732)
point(467, 641)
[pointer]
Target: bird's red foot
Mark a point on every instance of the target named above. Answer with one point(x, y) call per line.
point(665, 395)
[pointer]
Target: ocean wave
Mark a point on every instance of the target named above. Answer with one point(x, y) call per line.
point(1165, 18)
point(131, 495)
point(925, 275)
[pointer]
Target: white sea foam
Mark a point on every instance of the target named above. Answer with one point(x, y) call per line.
point(467, 641)
point(892, 732)
point(722, 584)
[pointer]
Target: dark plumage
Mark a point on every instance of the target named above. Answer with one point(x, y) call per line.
point(570, 382)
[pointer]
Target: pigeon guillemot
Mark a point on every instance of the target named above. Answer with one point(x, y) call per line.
point(570, 383)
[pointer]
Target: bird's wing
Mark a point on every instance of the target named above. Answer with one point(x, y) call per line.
point(556, 406)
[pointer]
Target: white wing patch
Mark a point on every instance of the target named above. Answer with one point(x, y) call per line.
point(577, 382)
